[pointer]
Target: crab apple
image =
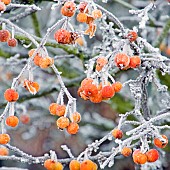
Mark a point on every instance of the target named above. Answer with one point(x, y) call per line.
point(139, 157)
point(107, 92)
point(62, 36)
point(52, 165)
point(82, 7)
point(98, 68)
point(97, 98)
point(97, 14)
point(11, 95)
point(126, 151)
point(4, 151)
point(24, 118)
point(56, 109)
point(6, 2)
point(86, 82)
point(167, 51)
point(90, 90)
point(159, 143)
point(68, 9)
point(12, 121)
point(135, 61)
point(37, 57)
point(62, 122)
point(132, 36)
point(122, 60)
point(152, 155)
point(75, 117)
point(102, 61)
point(46, 62)
point(72, 128)
point(12, 42)
point(82, 17)
point(2, 6)
point(117, 133)
point(117, 86)
point(74, 165)
point(4, 35)
point(53, 108)
point(32, 87)
point(87, 165)
point(4, 139)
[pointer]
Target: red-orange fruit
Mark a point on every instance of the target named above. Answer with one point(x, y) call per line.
point(98, 68)
point(152, 155)
point(4, 139)
point(4, 151)
point(75, 117)
point(24, 118)
point(88, 165)
point(68, 9)
point(96, 14)
point(139, 157)
point(102, 61)
point(12, 42)
point(107, 92)
point(46, 62)
point(161, 144)
point(4, 35)
point(6, 2)
point(117, 133)
point(97, 98)
point(73, 128)
point(2, 6)
point(126, 151)
point(132, 36)
point(90, 90)
point(62, 122)
point(11, 95)
point(32, 87)
point(86, 82)
point(122, 60)
point(74, 165)
point(12, 121)
point(82, 17)
point(135, 61)
point(56, 109)
point(117, 86)
point(37, 57)
point(62, 36)
point(53, 108)
point(82, 7)
point(52, 165)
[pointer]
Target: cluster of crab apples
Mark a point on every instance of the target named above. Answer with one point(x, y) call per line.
point(89, 90)
point(74, 165)
point(138, 156)
point(63, 122)
point(85, 15)
point(5, 36)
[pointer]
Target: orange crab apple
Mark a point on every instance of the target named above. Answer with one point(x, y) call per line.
point(139, 157)
point(117, 133)
point(4, 139)
point(72, 128)
point(11, 95)
point(152, 155)
point(126, 151)
point(62, 122)
point(160, 143)
point(74, 165)
point(12, 121)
